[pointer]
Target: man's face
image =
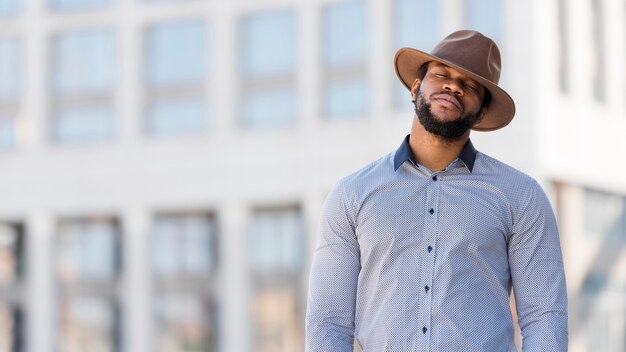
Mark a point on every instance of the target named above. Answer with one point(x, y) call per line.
point(447, 101)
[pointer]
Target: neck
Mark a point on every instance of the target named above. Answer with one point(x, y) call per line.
point(432, 151)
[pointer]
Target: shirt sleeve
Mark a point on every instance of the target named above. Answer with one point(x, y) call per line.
point(538, 276)
point(333, 279)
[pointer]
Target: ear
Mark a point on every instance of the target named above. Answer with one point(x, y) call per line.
point(414, 87)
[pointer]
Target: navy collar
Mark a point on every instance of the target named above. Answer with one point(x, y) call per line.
point(404, 153)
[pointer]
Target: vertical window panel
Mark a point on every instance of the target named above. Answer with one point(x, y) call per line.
point(185, 323)
point(87, 261)
point(270, 108)
point(599, 50)
point(345, 34)
point(269, 44)
point(11, 328)
point(64, 5)
point(345, 48)
point(88, 250)
point(183, 254)
point(9, 8)
point(10, 69)
point(83, 78)
point(177, 64)
point(276, 247)
point(267, 67)
point(183, 245)
point(83, 61)
point(11, 253)
point(11, 72)
point(486, 17)
point(12, 287)
point(416, 24)
point(177, 116)
point(344, 99)
point(7, 131)
point(83, 125)
point(176, 53)
point(89, 324)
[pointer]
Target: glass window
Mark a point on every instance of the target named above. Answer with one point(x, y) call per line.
point(9, 8)
point(83, 82)
point(89, 324)
point(486, 17)
point(184, 262)
point(270, 108)
point(87, 250)
point(10, 69)
point(177, 116)
point(83, 124)
point(345, 34)
point(79, 4)
point(83, 62)
point(11, 328)
point(185, 323)
point(11, 279)
point(599, 90)
point(269, 44)
point(346, 98)
point(276, 241)
point(176, 53)
point(10, 89)
point(276, 247)
point(416, 24)
point(87, 261)
point(7, 131)
point(11, 243)
point(183, 245)
point(344, 55)
point(267, 65)
point(177, 65)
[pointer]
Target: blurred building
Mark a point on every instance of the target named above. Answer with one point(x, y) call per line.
point(163, 162)
point(580, 95)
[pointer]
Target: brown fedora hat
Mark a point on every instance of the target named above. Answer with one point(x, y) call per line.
point(475, 55)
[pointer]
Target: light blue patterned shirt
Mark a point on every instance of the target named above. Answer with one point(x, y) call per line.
point(413, 260)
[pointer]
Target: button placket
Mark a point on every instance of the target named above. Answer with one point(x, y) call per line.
point(430, 237)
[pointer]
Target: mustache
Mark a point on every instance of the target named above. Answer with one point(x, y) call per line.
point(443, 92)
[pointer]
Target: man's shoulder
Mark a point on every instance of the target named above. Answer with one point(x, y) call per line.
point(374, 172)
point(489, 165)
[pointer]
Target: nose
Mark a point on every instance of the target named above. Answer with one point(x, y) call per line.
point(454, 86)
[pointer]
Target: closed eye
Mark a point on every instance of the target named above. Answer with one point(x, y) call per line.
point(472, 88)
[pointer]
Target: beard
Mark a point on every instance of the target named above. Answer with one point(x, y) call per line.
point(449, 130)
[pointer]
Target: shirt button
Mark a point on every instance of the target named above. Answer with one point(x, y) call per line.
point(430, 248)
point(426, 288)
point(431, 211)
point(424, 329)
point(435, 178)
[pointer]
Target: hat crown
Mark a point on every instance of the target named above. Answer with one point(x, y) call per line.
point(473, 51)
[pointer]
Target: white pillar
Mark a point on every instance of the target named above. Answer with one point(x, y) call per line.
point(40, 296)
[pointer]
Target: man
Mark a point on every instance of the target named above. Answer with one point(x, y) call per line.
point(419, 250)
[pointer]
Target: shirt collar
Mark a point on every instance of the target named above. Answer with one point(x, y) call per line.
point(404, 153)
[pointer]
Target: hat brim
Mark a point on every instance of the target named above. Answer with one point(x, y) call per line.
point(496, 115)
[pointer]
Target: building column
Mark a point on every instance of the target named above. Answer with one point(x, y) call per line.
point(41, 295)
point(135, 294)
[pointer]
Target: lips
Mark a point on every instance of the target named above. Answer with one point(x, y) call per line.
point(448, 101)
